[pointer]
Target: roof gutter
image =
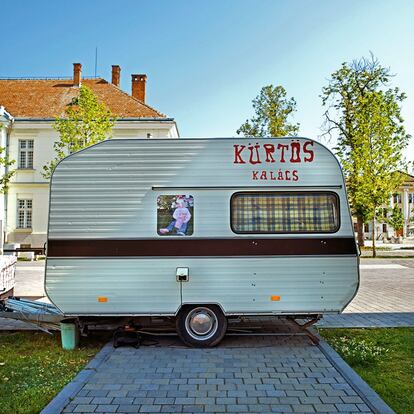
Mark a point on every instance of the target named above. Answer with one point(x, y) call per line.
point(119, 120)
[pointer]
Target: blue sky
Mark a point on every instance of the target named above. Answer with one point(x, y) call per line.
point(206, 61)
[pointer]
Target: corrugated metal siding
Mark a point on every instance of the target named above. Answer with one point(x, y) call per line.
point(243, 285)
point(305, 284)
point(131, 286)
point(106, 192)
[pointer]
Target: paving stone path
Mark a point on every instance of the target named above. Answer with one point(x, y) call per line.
point(243, 375)
point(385, 297)
point(368, 320)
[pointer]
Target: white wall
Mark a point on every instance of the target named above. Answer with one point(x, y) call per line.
point(39, 194)
point(3, 134)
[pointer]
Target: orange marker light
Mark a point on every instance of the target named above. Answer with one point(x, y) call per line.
point(102, 299)
point(275, 298)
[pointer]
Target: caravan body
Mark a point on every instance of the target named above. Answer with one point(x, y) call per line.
point(253, 226)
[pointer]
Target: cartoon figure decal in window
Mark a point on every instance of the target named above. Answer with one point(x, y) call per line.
point(175, 215)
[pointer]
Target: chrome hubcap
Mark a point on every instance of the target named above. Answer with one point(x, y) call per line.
point(201, 323)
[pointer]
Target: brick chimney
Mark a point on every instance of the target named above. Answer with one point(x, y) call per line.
point(77, 74)
point(116, 75)
point(138, 86)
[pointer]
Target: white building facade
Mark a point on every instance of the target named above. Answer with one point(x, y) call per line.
point(35, 104)
point(404, 199)
point(6, 122)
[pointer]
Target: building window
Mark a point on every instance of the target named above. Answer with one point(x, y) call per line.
point(397, 198)
point(24, 214)
point(384, 227)
point(366, 228)
point(25, 153)
point(278, 212)
point(411, 198)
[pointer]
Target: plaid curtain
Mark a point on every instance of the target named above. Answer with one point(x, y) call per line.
point(284, 213)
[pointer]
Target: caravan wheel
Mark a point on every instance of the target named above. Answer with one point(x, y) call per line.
point(201, 326)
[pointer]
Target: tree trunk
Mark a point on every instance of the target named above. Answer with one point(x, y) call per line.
point(360, 230)
point(374, 252)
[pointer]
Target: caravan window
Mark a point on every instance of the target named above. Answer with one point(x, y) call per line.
point(175, 215)
point(277, 212)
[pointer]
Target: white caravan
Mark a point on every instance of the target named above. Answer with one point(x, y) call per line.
point(200, 230)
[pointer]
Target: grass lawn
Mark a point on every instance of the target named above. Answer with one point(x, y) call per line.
point(391, 373)
point(34, 368)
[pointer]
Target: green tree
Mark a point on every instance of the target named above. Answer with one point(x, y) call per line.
point(396, 218)
point(87, 122)
point(364, 113)
point(6, 163)
point(272, 109)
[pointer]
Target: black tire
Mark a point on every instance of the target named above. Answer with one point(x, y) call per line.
point(201, 326)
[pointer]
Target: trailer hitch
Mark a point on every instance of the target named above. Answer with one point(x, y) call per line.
point(303, 328)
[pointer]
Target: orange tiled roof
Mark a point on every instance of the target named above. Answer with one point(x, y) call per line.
point(27, 98)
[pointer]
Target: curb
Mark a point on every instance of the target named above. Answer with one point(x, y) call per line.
point(64, 397)
point(368, 395)
point(8, 324)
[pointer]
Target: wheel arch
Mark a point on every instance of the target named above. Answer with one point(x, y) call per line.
point(186, 305)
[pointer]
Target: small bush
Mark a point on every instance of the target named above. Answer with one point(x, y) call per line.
point(358, 351)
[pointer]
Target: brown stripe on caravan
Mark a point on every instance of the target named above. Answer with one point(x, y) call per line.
point(201, 247)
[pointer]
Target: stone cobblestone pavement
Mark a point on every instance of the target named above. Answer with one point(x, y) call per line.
point(263, 374)
point(385, 297)
point(368, 320)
